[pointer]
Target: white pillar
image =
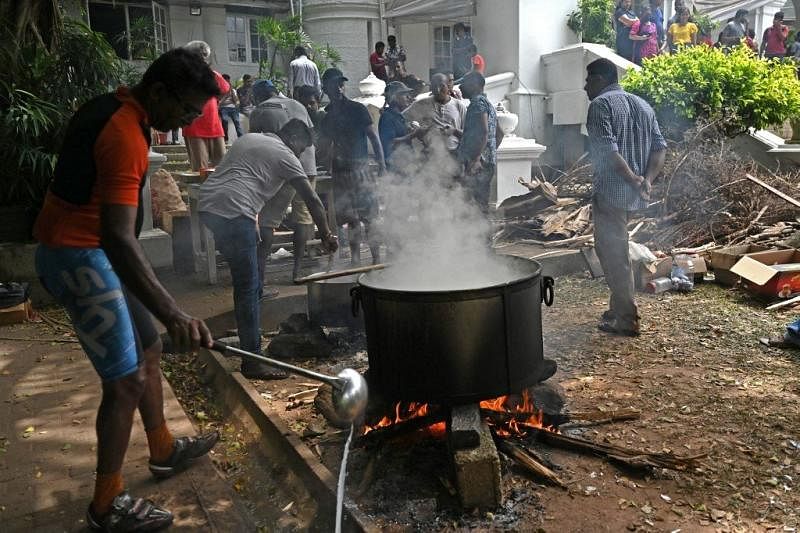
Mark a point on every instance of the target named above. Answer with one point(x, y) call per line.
point(157, 244)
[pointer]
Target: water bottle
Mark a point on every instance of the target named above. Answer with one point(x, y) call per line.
point(659, 285)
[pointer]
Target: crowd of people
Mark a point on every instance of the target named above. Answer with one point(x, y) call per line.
point(90, 260)
point(646, 33)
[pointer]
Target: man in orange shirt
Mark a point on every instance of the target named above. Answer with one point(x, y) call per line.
point(90, 260)
point(478, 63)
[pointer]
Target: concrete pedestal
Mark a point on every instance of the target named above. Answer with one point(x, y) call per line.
point(157, 244)
point(515, 156)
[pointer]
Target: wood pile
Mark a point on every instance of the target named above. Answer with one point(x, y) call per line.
point(707, 193)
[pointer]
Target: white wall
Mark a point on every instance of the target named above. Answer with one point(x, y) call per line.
point(210, 27)
point(416, 39)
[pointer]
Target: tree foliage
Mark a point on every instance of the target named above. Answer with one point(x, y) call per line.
point(283, 36)
point(593, 21)
point(41, 85)
point(737, 90)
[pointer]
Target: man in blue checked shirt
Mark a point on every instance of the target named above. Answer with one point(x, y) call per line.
point(627, 152)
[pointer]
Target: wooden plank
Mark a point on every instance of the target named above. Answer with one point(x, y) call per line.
point(773, 190)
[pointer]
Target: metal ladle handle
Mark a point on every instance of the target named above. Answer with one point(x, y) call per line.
point(338, 383)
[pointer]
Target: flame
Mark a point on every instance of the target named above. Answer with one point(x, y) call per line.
point(525, 415)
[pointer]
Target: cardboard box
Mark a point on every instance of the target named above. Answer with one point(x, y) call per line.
point(662, 268)
point(722, 261)
point(16, 313)
point(773, 273)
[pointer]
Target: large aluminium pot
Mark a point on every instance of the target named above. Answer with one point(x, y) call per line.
point(455, 346)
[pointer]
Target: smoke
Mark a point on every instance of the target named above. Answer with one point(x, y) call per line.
point(436, 236)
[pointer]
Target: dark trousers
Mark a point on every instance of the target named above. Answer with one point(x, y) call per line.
point(237, 240)
point(611, 245)
point(232, 113)
point(479, 186)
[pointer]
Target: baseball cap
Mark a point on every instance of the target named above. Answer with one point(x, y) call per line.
point(396, 87)
point(332, 74)
point(263, 89)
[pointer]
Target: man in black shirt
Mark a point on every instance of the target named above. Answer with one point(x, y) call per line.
point(345, 128)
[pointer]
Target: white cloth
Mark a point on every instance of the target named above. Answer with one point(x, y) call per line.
point(303, 71)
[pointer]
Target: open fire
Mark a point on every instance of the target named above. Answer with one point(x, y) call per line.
point(516, 414)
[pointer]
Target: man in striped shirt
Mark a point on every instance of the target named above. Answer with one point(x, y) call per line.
point(627, 152)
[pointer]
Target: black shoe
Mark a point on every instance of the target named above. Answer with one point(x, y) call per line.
point(615, 328)
point(259, 370)
point(129, 514)
point(186, 449)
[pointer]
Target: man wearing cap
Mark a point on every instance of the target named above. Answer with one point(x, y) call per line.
point(392, 127)
point(345, 129)
point(272, 112)
point(249, 176)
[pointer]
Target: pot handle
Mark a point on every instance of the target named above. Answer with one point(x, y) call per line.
point(548, 293)
point(355, 300)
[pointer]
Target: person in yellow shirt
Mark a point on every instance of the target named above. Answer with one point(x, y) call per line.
point(682, 32)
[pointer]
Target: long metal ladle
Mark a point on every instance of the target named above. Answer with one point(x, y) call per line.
point(349, 387)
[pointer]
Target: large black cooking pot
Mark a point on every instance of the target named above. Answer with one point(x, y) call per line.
point(460, 346)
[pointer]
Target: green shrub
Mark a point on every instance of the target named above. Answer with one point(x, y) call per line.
point(592, 21)
point(40, 88)
point(736, 90)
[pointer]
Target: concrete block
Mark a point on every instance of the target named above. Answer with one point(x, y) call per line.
point(464, 427)
point(477, 473)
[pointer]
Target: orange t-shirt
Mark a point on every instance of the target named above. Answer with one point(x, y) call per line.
point(478, 63)
point(103, 161)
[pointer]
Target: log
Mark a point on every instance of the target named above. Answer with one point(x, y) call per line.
point(399, 429)
point(328, 275)
point(785, 303)
point(527, 461)
point(617, 453)
point(773, 190)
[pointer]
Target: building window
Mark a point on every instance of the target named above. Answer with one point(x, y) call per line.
point(136, 30)
point(442, 47)
point(244, 43)
point(161, 27)
point(258, 46)
point(237, 41)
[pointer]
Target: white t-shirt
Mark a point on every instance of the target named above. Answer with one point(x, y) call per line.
point(252, 172)
point(425, 110)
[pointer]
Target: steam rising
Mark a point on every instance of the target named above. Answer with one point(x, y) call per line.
point(437, 238)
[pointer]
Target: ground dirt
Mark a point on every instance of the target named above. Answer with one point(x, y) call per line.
point(702, 382)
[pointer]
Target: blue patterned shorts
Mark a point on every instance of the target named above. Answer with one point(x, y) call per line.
point(111, 324)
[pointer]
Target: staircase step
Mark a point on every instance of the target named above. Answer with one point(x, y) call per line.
point(176, 166)
point(177, 156)
point(169, 148)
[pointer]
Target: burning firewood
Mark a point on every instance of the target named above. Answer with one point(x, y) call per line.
point(527, 461)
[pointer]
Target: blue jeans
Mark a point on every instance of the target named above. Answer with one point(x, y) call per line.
point(237, 240)
point(232, 113)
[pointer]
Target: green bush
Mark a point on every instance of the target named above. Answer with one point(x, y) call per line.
point(592, 21)
point(736, 90)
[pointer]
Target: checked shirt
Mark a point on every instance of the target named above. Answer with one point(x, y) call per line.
point(621, 122)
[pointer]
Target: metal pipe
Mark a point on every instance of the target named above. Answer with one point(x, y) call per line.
point(316, 376)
